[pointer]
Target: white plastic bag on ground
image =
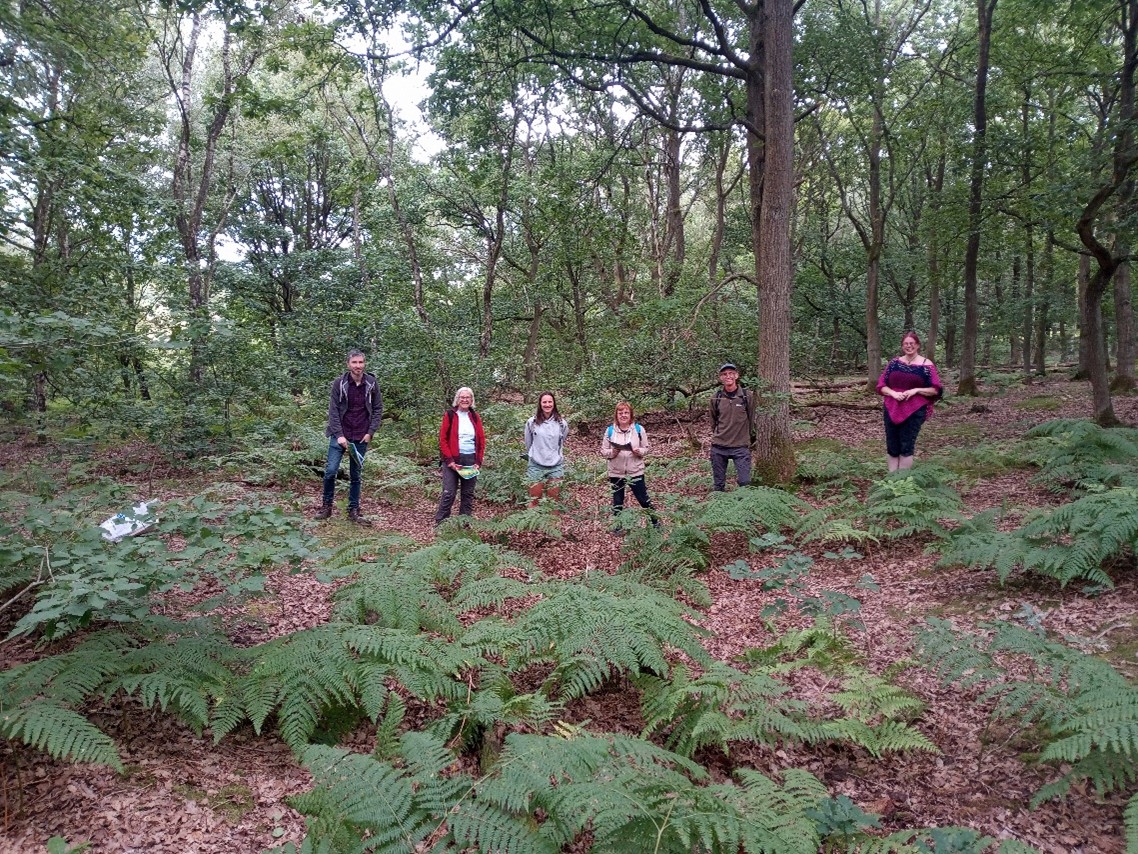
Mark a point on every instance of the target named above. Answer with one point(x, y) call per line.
point(130, 523)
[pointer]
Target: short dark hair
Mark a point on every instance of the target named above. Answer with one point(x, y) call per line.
point(353, 353)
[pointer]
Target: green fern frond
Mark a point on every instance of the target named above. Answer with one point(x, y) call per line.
point(71, 678)
point(395, 599)
point(757, 508)
point(489, 593)
point(977, 544)
point(776, 815)
point(362, 553)
point(536, 520)
point(485, 827)
point(1082, 455)
point(592, 634)
point(916, 501)
point(820, 527)
point(495, 702)
point(387, 728)
point(360, 798)
point(668, 561)
point(184, 674)
point(59, 732)
point(818, 645)
point(956, 658)
point(1089, 711)
point(1077, 538)
point(306, 675)
point(722, 704)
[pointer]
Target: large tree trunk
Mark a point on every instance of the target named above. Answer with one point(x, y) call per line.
point(774, 267)
point(967, 385)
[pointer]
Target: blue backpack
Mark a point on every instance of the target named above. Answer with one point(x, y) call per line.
point(639, 433)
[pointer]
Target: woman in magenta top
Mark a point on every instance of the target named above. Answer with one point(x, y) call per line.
point(910, 386)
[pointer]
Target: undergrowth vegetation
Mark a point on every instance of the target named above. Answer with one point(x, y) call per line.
point(494, 658)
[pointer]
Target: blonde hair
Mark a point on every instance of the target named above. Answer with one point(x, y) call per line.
point(454, 403)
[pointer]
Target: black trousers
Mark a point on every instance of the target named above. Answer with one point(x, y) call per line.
point(639, 490)
point(452, 483)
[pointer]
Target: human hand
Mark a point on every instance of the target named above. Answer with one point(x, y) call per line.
point(342, 442)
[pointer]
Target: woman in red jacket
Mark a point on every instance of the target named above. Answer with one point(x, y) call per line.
point(461, 446)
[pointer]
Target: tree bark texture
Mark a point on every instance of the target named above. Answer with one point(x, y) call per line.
point(774, 267)
point(967, 385)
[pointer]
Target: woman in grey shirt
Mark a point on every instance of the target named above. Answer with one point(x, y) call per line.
point(546, 431)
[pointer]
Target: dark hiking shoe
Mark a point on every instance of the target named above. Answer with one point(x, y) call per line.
point(324, 512)
point(357, 518)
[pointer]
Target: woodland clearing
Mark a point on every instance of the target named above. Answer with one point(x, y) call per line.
point(181, 792)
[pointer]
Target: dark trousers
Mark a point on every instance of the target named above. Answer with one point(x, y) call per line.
point(901, 439)
point(332, 469)
point(639, 490)
point(719, 458)
point(452, 484)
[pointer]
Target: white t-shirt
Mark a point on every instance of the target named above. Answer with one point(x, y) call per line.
point(465, 433)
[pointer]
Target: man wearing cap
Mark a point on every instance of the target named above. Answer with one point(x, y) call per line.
point(355, 408)
point(732, 428)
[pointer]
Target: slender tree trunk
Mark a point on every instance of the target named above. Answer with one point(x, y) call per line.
point(874, 250)
point(967, 385)
point(1028, 238)
point(1124, 380)
point(951, 326)
point(493, 253)
point(529, 357)
point(1082, 278)
point(935, 182)
point(722, 189)
point(674, 239)
point(1014, 354)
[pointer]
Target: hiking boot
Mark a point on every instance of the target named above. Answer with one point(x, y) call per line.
point(324, 512)
point(356, 517)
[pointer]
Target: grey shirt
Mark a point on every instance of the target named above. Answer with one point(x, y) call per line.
point(545, 440)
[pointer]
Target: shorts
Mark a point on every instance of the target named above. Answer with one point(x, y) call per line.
point(536, 472)
point(901, 439)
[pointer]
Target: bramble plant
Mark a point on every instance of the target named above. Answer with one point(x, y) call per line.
point(79, 579)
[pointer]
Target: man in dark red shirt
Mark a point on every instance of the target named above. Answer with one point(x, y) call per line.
point(355, 407)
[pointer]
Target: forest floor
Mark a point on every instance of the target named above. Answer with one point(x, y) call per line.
point(183, 793)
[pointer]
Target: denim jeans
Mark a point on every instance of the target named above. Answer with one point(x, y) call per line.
point(335, 456)
point(719, 458)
